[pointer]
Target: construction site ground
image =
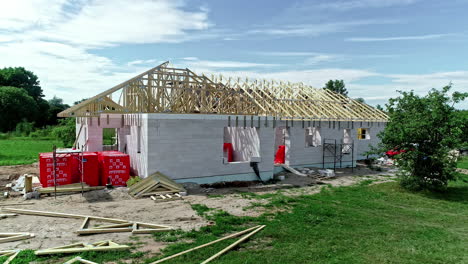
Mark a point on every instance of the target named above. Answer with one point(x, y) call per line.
point(116, 203)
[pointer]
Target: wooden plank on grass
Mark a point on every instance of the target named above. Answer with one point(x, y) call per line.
point(205, 245)
point(233, 245)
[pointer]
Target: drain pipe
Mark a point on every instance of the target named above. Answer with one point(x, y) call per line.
point(254, 166)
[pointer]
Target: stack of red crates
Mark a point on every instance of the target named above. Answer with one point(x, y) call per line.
point(99, 168)
point(64, 169)
point(114, 167)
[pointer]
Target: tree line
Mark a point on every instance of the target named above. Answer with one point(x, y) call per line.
point(22, 101)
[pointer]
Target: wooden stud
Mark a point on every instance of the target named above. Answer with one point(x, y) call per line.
point(233, 245)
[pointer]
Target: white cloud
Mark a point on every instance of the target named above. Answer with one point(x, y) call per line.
point(345, 5)
point(419, 37)
point(66, 71)
point(419, 83)
point(102, 23)
point(52, 38)
point(316, 29)
point(288, 53)
point(214, 64)
point(24, 14)
point(142, 62)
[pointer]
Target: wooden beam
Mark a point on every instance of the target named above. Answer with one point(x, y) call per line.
point(205, 245)
point(233, 245)
point(82, 247)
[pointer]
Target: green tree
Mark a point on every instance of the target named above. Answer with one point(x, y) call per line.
point(426, 128)
point(21, 78)
point(379, 107)
point(56, 106)
point(360, 99)
point(15, 106)
point(336, 86)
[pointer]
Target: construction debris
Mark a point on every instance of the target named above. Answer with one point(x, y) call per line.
point(155, 184)
point(118, 226)
point(166, 197)
point(292, 170)
point(10, 237)
point(83, 247)
point(79, 260)
point(255, 229)
point(11, 253)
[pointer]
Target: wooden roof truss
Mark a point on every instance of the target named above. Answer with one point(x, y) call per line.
point(164, 89)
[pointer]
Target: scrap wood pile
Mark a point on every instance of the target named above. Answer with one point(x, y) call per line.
point(157, 186)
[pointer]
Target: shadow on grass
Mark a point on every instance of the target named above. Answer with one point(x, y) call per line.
point(452, 194)
point(457, 191)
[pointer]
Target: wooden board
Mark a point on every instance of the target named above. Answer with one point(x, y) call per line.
point(82, 247)
point(79, 260)
point(10, 237)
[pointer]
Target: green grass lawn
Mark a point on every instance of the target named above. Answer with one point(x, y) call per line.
point(365, 223)
point(16, 151)
point(361, 224)
point(463, 163)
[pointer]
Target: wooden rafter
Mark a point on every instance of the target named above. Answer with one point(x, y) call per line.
point(164, 89)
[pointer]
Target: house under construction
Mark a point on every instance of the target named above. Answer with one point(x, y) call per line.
point(177, 122)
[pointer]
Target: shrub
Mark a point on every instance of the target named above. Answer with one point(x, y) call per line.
point(65, 131)
point(425, 129)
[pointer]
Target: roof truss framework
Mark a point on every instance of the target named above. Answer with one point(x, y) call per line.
point(163, 89)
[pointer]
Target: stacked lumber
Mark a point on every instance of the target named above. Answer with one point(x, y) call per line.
point(74, 187)
point(154, 185)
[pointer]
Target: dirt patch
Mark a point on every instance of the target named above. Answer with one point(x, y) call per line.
point(10, 173)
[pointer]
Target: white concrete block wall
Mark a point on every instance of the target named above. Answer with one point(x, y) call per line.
point(191, 146)
point(363, 144)
point(300, 155)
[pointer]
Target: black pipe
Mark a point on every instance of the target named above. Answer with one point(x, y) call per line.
point(254, 166)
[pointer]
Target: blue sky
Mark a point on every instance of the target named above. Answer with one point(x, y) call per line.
point(81, 47)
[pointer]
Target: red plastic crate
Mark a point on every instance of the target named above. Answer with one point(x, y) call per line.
point(114, 167)
point(64, 169)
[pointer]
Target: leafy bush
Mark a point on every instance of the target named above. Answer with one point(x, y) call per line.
point(42, 133)
point(65, 131)
point(24, 128)
point(426, 129)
